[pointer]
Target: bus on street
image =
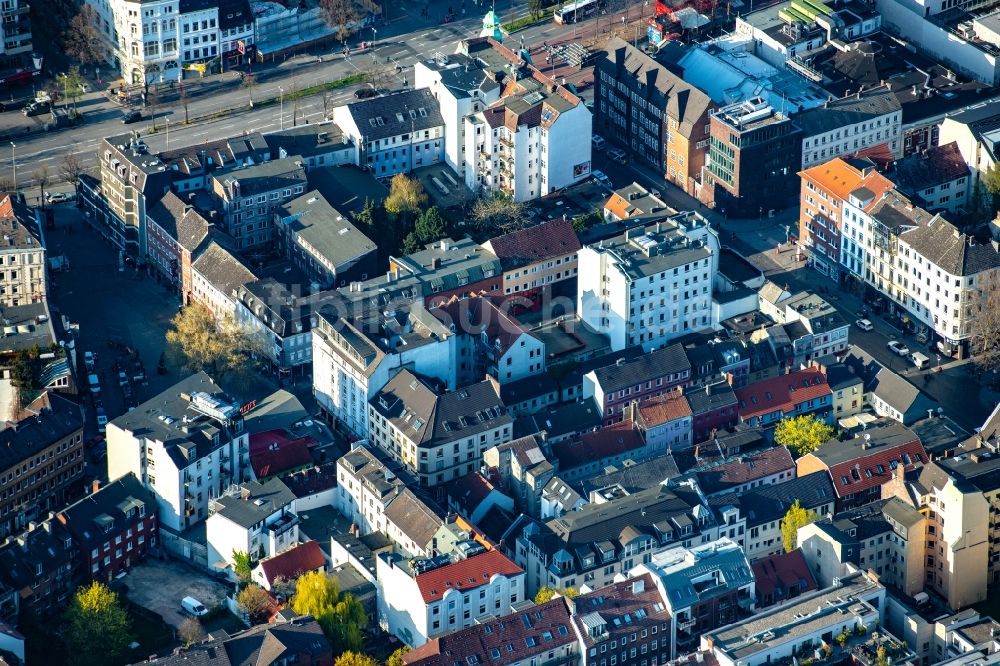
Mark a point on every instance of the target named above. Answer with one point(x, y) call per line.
point(575, 11)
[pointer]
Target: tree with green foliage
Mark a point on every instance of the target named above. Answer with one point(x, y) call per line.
point(881, 657)
point(582, 222)
point(406, 196)
point(72, 84)
point(802, 434)
point(254, 601)
point(96, 629)
point(795, 517)
point(546, 593)
point(430, 226)
point(396, 658)
point(243, 565)
point(341, 616)
point(990, 181)
point(535, 8)
point(353, 658)
point(376, 223)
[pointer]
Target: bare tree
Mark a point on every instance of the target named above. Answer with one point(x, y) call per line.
point(82, 40)
point(41, 176)
point(248, 84)
point(152, 100)
point(293, 93)
point(184, 99)
point(339, 14)
point(190, 631)
point(327, 101)
point(499, 212)
point(71, 168)
point(985, 332)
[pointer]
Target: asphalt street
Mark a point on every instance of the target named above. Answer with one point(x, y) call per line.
point(223, 92)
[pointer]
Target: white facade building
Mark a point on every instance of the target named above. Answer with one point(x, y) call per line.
point(142, 38)
point(650, 285)
point(415, 604)
point(187, 445)
point(199, 31)
point(256, 518)
point(844, 126)
point(351, 363)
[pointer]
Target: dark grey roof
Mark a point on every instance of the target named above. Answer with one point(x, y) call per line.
point(390, 115)
point(308, 140)
point(162, 417)
point(265, 177)
point(347, 187)
point(633, 478)
point(223, 269)
point(108, 509)
point(768, 503)
point(181, 222)
point(856, 108)
point(901, 395)
point(666, 361)
point(710, 397)
point(430, 418)
point(414, 517)
point(20, 556)
point(945, 246)
point(938, 434)
point(526, 388)
point(839, 377)
point(234, 14)
point(979, 468)
point(935, 166)
point(33, 434)
point(320, 229)
point(888, 436)
point(255, 502)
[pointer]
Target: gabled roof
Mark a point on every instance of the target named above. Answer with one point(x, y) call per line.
point(606, 442)
point(734, 472)
point(275, 451)
point(222, 269)
point(860, 107)
point(469, 491)
point(776, 575)
point(414, 518)
point(670, 360)
point(930, 168)
point(840, 177)
point(768, 503)
point(180, 221)
point(781, 393)
point(117, 506)
point(399, 113)
point(710, 398)
point(292, 563)
point(547, 240)
point(48, 419)
point(255, 502)
point(467, 574)
point(942, 244)
point(634, 477)
point(483, 315)
point(664, 409)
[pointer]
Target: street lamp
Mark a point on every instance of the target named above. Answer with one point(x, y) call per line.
point(13, 161)
point(281, 108)
point(168, 132)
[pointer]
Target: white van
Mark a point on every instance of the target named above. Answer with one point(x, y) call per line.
point(919, 360)
point(193, 606)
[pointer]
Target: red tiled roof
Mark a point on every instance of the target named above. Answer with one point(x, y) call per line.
point(875, 467)
point(555, 238)
point(786, 571)
point(604, 443)
point(465, 574)
point(469, 491)
point(664, 409)
point(782, 393)
point(292, 563)
point(715, 478)
point(484, 315)
point(273, 452)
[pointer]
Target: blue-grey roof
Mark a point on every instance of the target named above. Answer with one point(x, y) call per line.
point(769, 503)
point(721, 565)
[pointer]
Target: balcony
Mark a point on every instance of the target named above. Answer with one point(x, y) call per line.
point(507, 142)
point(283, 524)
point(685, 623)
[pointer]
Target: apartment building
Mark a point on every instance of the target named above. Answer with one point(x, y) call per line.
point(113, 528)
point(376, 500)
point(463, 85)
point(650, 285)
point(615, 388)
point(703, 587)
point(625, 613)
point(740, 472)
point(754, 153)
point(846, 126)
point(141, 38)
point(16, 44)
point(437, 436)
point(37, 566)
point(526, 143)
point(594, 544)
point(176, 235)
point(523, 470)
point(943, 271)
point(824, 201)
point(886, 537)
point(236, 31)
point(542, 634)
point(937, 177)
point(187, 445)
point(713, 408)
point(421, 599)
point(199, 31)
point(537, 257)
point(255, 518)
point(216, 275)
point(798, 393)
point(814, 327)
point(661, 120)
point(801, 624)
point(250, 195)
point(394, 133)
point(859, 467)
point(41, 461)
point(888, 218)
point(323, 243)
point(351, 363)
point(665, 424)
point(633, 201)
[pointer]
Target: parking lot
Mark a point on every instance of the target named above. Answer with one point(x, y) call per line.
point(159, 586)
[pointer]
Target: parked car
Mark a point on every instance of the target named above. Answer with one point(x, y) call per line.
point(132, 116)
point(102, 420)
point(89, 359)
point(364, 93)
point(94, 442)
point(193, 606)
point(920, 361)
point(898, 348)
point(617, 155)
point(602, 178)
point(864, 324)
point(597, 142)
point(58, 197)
point(94, 382)
point(122, 379)
point(36, 108)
